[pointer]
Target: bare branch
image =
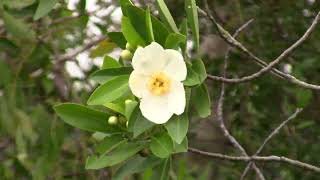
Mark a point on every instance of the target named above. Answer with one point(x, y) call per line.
point(272, 158)
point(82, 49)
point(272, 134)
point(266, 67)
point(226, 133)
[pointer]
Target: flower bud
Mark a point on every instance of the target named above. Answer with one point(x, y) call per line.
point(113, 120)
point(126, 55)
point(129, 47)
point(128, 101)
point(127, 124)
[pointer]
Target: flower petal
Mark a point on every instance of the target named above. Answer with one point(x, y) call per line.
point(177, 98)
point(155, 108)
point(149, 59)
point(138, 83)
point(176, 66)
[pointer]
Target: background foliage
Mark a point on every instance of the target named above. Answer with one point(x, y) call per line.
point(36, 55)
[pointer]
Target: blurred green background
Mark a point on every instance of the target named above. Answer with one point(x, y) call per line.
point(35, 144)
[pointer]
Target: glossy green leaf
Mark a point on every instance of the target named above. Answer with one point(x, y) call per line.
point(199, 68)
point(138, 124)
point(150, 36)
point(201, 100)
point(44, 7)
point(136, 165)
point(110, 91)
point(109, 62)
point(160, 32)
point(138, 18)
point(192, 78)
point(177, 127)
point(166, 16)
point(161, 145)
point(174, 40)
point(123, 4)
point(119, 154)
point(183, 28)
point(118, 38)
point(192, 15)
point(84, 118)
point(109, 143)
point(115, 107)
point(182, 147)
point(130, 33)
point(129, 108)
point(104, 75)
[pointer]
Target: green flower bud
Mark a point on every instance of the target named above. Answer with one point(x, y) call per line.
point(129, 47)
point(113, 120)
point(126, 55)
point(127, 124)
point(128, 101)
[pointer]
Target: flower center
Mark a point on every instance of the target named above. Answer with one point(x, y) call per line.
point(159, 83)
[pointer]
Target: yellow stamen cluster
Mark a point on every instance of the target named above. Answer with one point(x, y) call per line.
point(159, 83)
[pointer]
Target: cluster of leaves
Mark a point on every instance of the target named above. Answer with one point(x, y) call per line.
point(133, 137)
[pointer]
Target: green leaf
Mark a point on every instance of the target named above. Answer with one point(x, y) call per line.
point(136, 165)
point(184, 30)
point(123, 4)
point(102, 48)
point(130, 33)
point(182, 147)
point(129, 108)
point(118, 38)
point(161, 145)
point(174, 39)
point(150, 36)
point(104, 75)
point(44, 7)
point(201, 101)
point(161, 172)
point(138, 18)
point(18, 29)
point(109, 143)
point(109, 62)
point(109, 91)
point(137, 123)
point(119, 154)
point(192, 78)
point(192, 15)
point(116, 107)
point(18, 4)
point(199, 68)
point(166, 16)
point(84, 118)
point(6, 74)
point(177, 127)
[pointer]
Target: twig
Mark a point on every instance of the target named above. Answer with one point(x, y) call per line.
point(226, 133)
point(272, 158)
point(266, 67)
point(82, 49)
point(272, 134)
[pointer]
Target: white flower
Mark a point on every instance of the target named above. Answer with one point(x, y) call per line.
point(157, 81)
